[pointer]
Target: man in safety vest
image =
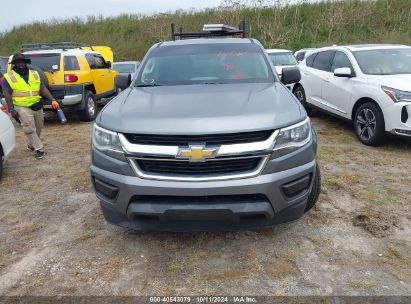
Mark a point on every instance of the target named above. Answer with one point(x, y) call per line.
point(22, 89)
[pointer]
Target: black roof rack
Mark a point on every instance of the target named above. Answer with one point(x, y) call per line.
point(211, 30)
point(51, 46)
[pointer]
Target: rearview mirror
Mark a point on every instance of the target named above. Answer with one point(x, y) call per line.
point(343, 72)
point(109, 64)
point(290, 75)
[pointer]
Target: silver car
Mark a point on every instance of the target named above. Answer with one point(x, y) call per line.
point(282, 59)
point(126, 67)
point(206, 138)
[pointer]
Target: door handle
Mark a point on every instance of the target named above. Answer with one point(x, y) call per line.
point(101, 74)
point(326, 80)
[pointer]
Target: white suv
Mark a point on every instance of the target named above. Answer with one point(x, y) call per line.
point(367, 84)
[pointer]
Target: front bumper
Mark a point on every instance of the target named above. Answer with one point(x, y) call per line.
point(398, 119)
point(206, 206)
point(276, 196)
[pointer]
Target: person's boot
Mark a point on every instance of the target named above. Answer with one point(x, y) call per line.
point(39, 154)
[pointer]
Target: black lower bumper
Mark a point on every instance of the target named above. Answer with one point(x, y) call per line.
point(202, 217)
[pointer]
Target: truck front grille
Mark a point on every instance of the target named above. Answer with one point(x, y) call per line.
point(212, 139)
point(207, 168)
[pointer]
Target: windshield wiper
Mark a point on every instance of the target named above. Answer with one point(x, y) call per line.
point(148, 85)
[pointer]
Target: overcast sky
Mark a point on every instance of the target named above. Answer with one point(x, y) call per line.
point(16, 12)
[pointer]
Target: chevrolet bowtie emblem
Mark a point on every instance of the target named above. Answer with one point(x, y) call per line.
point(197, 153)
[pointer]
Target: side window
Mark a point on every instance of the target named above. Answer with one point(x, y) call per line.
point(323, 61)
point(100, 62)
point(341, 61)
point(91, 61)
point(310, 60)
point(71, 63)
point(300, 56)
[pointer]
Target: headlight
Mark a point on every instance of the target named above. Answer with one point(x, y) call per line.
point(397, 95)
point(106, 140)
point(291, 138)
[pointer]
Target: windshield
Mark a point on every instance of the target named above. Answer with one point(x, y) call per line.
point(205, 63)
point(384, 61)
point(45, 61)
point(124, 67)
point(285, 58)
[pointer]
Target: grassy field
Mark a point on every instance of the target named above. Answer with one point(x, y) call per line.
point(280, 26)
point(356, 241)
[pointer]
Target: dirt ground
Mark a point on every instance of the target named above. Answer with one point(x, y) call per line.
point(356, 241)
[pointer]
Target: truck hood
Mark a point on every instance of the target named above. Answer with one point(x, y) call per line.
point(400, 81)
point(201, 109)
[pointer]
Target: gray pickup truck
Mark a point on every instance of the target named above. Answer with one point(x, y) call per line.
point(206, 138)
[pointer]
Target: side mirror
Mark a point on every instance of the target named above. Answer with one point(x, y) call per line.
point(54, 68)
point(343, 72)
point(123, 81)
point(290, 75)
point(109, 64)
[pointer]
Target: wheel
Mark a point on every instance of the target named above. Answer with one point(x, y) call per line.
point(300, 94)
point(315, 191)
point(117, 90)
point(89, 112)
point(369, 124)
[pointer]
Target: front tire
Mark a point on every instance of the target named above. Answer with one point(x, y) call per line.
point(117, 90)
point(315, 191)
point(300, 94)
point(369, 124)
point(89, 112)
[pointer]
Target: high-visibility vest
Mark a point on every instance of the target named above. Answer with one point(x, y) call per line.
point(24, 94)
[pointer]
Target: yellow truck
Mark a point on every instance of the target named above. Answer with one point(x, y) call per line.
point(76, 75)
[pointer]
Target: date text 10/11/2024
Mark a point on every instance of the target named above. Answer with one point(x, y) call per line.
point(203, 299)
